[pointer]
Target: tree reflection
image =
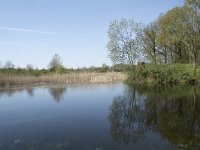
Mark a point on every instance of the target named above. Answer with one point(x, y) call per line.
point(172, 112)
point(57, 92)
point(10, 92)
point(30, 91)
point(127, 117)
point(175, 112)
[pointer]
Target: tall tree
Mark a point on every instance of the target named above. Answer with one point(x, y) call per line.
point(149, 41)
point(193, 30)
point(171, 34)
point(123, 43)
point(56, 64)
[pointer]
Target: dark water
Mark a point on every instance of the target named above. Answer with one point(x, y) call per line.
point(100, 117)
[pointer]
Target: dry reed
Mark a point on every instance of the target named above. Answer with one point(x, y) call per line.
point(62, 78)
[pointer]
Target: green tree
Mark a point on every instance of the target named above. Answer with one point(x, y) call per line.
point(123, 43)
point(171, 35)
point(149, 42)
point(55, 64)
point(104, 68)
point(193, 32)
point(194, 3)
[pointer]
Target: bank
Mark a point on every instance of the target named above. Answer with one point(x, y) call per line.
point(163, 74)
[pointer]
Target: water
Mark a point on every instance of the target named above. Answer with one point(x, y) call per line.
point(100, 117)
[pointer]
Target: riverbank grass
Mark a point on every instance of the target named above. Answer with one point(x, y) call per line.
point(164, 74)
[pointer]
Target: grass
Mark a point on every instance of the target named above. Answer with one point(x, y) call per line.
point(164, 74)
point(67, 78)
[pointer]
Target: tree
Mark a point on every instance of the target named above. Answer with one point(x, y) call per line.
point(104, 68)
point(123, 43)
point(55, 64)
point(149, 41)
point(29, 68)
point(171, 35)
point(9, 65)
point(193, 32)
point(194, 3)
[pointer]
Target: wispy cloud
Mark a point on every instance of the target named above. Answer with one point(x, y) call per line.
point(25, 30)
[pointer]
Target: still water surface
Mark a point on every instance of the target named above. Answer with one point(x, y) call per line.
point(100, 117)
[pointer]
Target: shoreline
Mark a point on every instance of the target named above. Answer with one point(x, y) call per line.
point(169, 74)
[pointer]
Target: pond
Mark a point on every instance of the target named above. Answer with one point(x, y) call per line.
point(100, 117)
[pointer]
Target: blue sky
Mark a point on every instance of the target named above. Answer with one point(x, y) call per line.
point(32, 31)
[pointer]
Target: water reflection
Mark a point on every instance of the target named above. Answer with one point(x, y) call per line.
point(30, 91)
point(141, 117)
point(171, 112)
point(39, 123)
point(11, 91)
point(127, 116)
point(57, 92)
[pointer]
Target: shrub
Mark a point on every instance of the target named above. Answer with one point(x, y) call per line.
point(162, 74)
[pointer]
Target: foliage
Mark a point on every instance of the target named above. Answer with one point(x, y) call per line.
point(163, 74)
point(149, 43)
point(171, 44)
point(55, 64)
point(172, 34)
point(174, 37)
point(123, 44)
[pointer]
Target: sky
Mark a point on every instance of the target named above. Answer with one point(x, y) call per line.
point(32, 31)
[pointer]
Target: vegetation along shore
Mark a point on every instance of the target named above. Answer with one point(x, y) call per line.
point(66, 78)
point(56, 73)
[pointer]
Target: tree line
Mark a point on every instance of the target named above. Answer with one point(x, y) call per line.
point(174, 37)
point(56, 66)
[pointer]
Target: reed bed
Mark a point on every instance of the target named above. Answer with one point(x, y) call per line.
point(67, 78)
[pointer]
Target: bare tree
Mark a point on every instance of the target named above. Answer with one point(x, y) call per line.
point(9, 65)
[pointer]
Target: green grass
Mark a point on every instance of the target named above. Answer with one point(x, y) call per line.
point(164, 74)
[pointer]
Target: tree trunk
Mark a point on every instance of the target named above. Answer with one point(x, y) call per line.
point(194, 66)
point(154, 56)
point(165, 55)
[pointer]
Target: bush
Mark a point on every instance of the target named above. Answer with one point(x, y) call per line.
point(163, 74)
